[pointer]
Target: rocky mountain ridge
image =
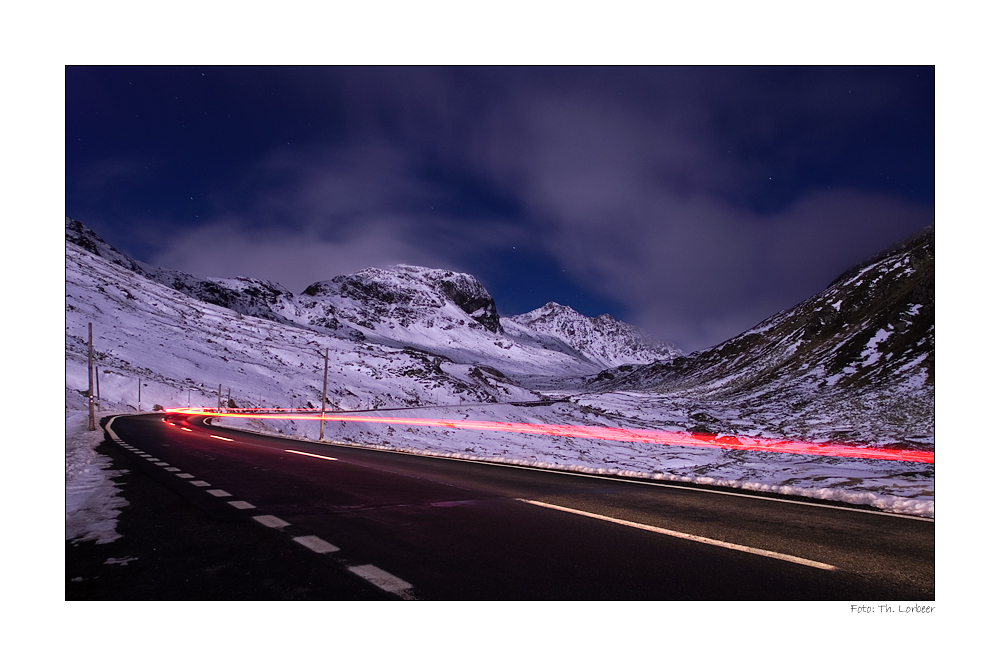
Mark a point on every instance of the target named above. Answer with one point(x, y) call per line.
point(602, 338)
point(440, 311)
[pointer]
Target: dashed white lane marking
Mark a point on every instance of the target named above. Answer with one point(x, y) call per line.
point(380, 578)
point(219, 493)
point(313, 455)
point(162, 464)
point(152, 459)
point(200, 484)
point(185, 476)
point(271, 521)
point(690, 537)
point(222, 438)
point(173, 469)
point(316, 544)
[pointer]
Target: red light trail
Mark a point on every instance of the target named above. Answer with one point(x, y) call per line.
point(702, 440)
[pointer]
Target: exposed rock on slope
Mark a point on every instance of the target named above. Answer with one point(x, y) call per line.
point(856, 361)
point(405, 295)
point(603, 339)
point(439, 311)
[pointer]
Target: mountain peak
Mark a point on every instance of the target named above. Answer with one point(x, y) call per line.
point(603, 339)
point(409, 293)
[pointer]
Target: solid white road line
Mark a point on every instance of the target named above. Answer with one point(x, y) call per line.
point(316, 544)
point(689, 537)
point(313, 455)
point(111, 432)
point(271, 521)
point(380, 578)
point(222, 438)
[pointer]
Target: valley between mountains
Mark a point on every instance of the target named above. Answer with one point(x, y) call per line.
point(853, 364)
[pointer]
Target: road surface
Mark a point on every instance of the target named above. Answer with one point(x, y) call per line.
point(432, 528)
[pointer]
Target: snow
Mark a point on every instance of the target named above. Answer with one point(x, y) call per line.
point(93, 501)
point(855, 481)
point(871, 354)
point(424, 351)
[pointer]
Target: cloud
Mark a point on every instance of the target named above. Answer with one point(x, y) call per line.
point(656, 189)
point(228, 248)
point(696, 270)
point(732, 268)
point(649, 212)
point(324, 212)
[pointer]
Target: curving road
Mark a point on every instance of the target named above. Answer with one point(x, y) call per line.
point(437, 528)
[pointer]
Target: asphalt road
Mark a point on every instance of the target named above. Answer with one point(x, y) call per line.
point(427, 528)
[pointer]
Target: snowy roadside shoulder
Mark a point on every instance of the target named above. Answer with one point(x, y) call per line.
point(93, 500)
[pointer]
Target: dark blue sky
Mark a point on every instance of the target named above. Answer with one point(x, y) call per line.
point(693, 202)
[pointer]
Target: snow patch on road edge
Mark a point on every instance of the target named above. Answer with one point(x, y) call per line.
point(93, 499)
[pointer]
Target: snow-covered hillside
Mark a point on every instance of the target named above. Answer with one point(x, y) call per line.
point(180, 346)
point(854, 363)
point(436, 311)
point(432, 340)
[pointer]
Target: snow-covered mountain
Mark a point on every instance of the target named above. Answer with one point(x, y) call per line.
point(406, 295)
point(442, 312)
point(853, 363)
point(247, 296)
point(174, 344)
point(603, 339)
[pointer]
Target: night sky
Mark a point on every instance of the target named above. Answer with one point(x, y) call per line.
point(693, 202)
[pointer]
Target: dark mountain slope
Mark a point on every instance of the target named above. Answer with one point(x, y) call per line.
point(856, 359)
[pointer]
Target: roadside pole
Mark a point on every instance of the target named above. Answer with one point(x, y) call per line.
point(219, 401)
point(322, 409)
point(90, 374)
point(97, 384)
